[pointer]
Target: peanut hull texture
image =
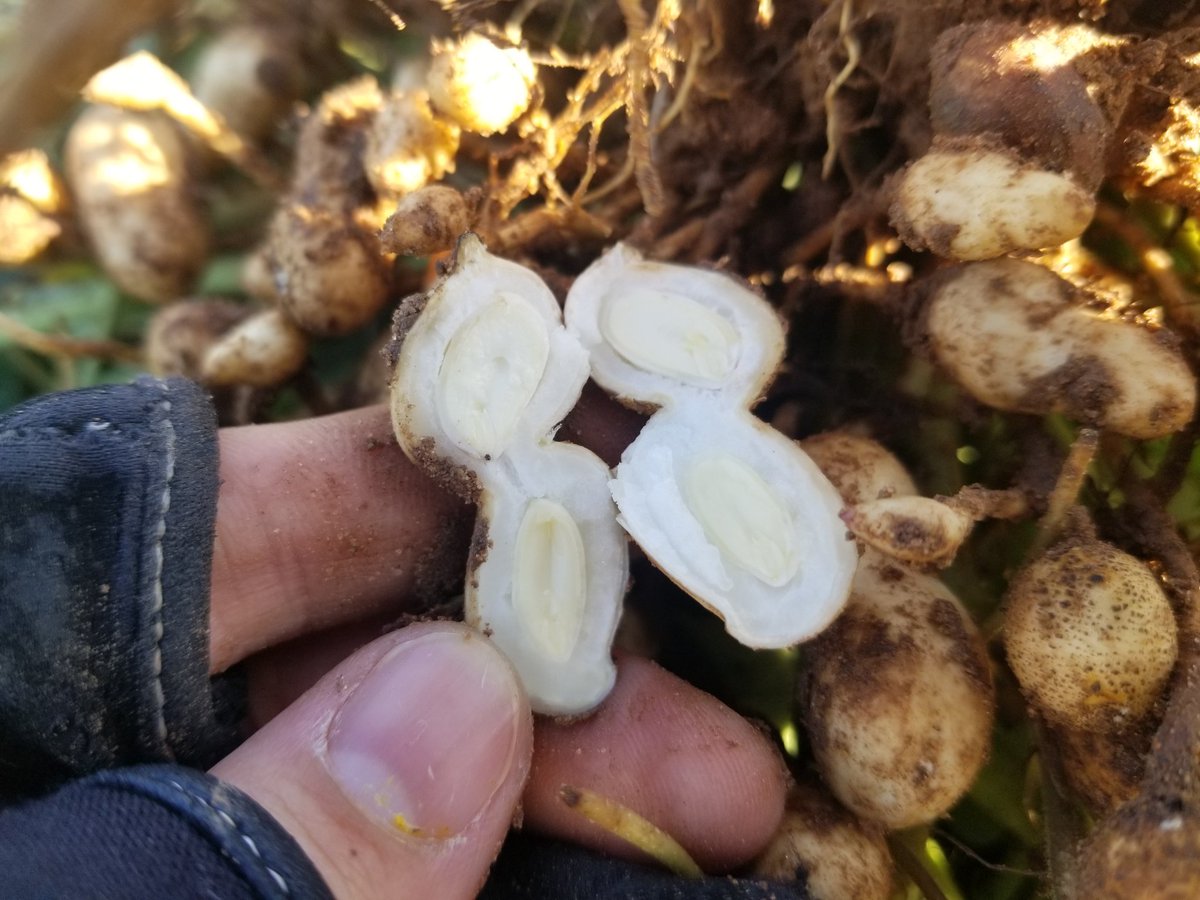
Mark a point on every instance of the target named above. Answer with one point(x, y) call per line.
point(1090, 635)
point(1102, 769)
point(129, 175)
point(1019, 338)
point(968, 199)
point(408, 146)
point(263, 351)
point(898, 697)
point(181, 333)
point(332, 278)
point(480, 85)
point(1018, 88)
point(1146, 851)
point(250, 76)
point(1018, 150)
point(327, 266)
point(860, 468)
point(425, 222)
point(836, 854)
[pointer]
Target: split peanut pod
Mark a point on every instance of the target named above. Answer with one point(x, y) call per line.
point(730, 509)
point(484, 373)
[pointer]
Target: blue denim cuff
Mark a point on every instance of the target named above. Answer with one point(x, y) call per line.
point(149, 832)
point(107, 511)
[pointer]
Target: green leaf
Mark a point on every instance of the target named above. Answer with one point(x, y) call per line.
point(86, 308)
point(21, 377)
point(223, 275)
point(1185, 505)
point(82, 308)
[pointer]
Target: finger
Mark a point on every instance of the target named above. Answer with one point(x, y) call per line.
point(601, 424)
point(398, 773)
point(321, 522)
point(671, 753)
point(326, 521)
point(674, 754)
point(279, 676)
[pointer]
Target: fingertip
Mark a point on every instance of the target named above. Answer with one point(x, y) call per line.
point(601, 424)
point(279, 676)
point(308, 534)
point(400, 771)
point(671, 753)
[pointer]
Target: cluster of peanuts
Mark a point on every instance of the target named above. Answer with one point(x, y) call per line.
point(824, 543)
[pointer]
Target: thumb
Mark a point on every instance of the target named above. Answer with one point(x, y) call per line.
point(399, 773)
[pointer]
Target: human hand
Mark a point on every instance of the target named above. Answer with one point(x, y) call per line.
point(324, 530)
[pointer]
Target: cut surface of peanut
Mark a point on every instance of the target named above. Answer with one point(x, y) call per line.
point(484, 373)
point(654, 331)
point(491, 369)
point(742, 515)
point(670, 334)
point(732, 511)
point(549, 578)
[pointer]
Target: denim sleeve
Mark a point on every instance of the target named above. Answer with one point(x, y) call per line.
point(107, 511)
point(151, 832)
point(164, 831)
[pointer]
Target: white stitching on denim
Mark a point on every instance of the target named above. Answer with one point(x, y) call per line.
point(110, 430)
point(279, 881)
point(156, 625)
point(230, 822)
point(94, 425)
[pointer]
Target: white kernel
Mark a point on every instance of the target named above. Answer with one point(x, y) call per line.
point(492, 367)
point(549, 578)
point(670, 334)
point(742, 515)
